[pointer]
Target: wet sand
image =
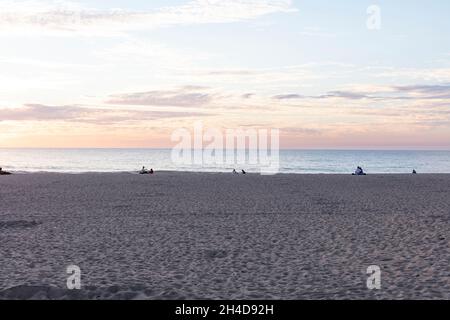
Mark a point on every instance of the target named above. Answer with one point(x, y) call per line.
point(224, 236)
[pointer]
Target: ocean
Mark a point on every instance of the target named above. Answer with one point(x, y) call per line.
point(290, 161)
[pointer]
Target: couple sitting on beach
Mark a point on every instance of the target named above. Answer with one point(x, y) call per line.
point(145, 171)
point(359, 172)
point(4, 173)
point(235, 172)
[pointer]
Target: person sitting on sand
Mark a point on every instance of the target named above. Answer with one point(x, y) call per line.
point(359, 172)
point(234, 171)
point(3, 173)
point(143, 171)
point(243, 171)
point(414, 171)
point(151, 171)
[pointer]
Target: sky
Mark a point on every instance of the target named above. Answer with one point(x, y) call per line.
point(355, 74)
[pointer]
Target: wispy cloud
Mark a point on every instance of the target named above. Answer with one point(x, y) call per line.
point(76, 113)
point(427, 91)
point(345, 95)
point(189, 96)
point(331, 94)
point(300, 131)
point(247, 95)
point(65, 16)
point(288, 96)
point(412, 92)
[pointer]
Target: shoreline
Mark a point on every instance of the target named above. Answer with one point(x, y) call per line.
point(222, 172)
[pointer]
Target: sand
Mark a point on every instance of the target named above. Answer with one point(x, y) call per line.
point(224, 236)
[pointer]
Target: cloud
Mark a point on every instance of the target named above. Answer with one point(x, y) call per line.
point(345, 95)
point(427, 91)
point(300, 131)
point(247, 95)
point(413, 92)
point(64, 16)
point(40, 112)
point(75, 113)
point(288, 96)
point(425, 88)
point(184, 97)
point(331, 94)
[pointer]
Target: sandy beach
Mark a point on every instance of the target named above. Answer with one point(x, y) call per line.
point(223, 236)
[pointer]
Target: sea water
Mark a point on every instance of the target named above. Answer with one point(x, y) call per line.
point(290, 161)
